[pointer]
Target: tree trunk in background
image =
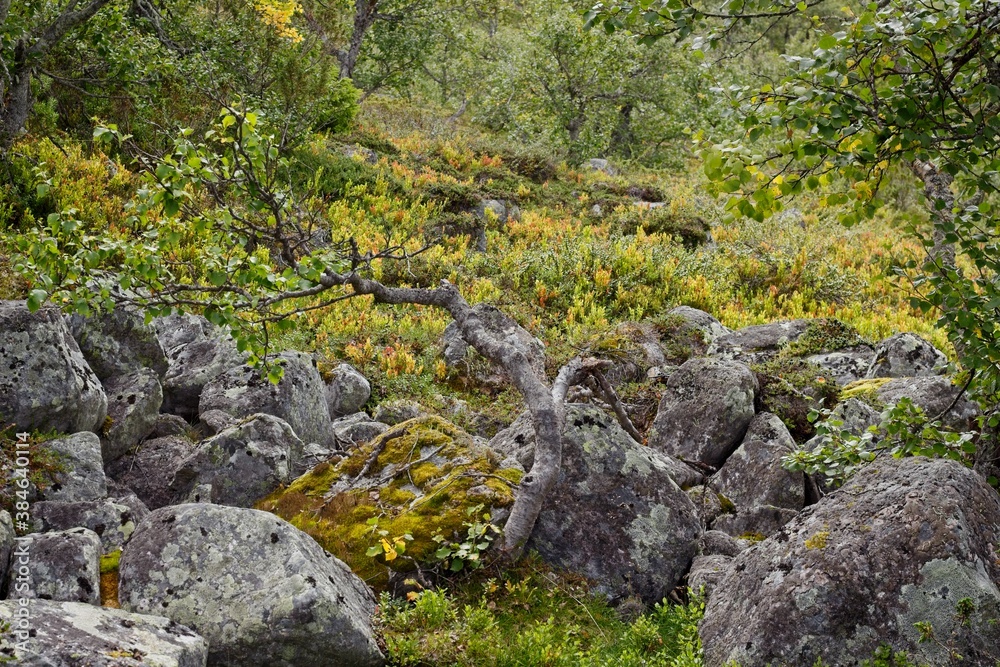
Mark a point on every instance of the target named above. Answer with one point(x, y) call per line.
point(937, 188)
point(364, 17)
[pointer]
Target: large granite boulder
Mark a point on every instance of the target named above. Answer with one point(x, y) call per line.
point(118, 342)
point(705, 324)
point(299, 398)
point(904, 541)
point(937, 396)
point(71, 634)
point(197, 351)
point(706, 407)
point(753, 478)
point(134, 401)
point(111, 520)
point(758, 343)
point(82, 475)
point(242, 464)
point(906, 355)
point(45, 383)
point(62, 566)
point(150, 468)
point(347, 391)
point(260, 591)
point(615, 515)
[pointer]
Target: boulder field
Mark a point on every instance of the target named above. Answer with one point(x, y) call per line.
point(192, 514)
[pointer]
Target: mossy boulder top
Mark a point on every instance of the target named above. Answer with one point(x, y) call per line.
point(422, 477)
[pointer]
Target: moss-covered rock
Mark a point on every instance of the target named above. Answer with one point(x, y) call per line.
point(790, 388)
point(420, 478)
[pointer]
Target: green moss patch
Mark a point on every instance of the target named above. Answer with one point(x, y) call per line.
point(824, 335)
point(865, 390)
point(791, 388)
point(419, 478)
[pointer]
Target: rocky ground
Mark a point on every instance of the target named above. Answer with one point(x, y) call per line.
point(203, 516)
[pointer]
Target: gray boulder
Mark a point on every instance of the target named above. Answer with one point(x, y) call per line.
point(902, 542)
point(715, 542)
point(242, 464)
point(709, 327)
point(398, 411)
point(906, 355)
point(134, 402)
point(347, 391)
point(260, 591)
point(83, 476)
point(118, 343)
point(71, 634)
point(935, 395)
point(615, 515)
point(355, 429)
point(113, 522)
point(149, 470)
point(212, 422)
point(63, 566)
point(753, 474)
point(599, 164)
point(706, 407)
point(45, 383)
point(708, 503)
point(166, 425)
point(7, 542)
point(759, 343)
point(844, 367)
point(299, 399)
point(197, 351)
point(706, 573)
point(502, 327)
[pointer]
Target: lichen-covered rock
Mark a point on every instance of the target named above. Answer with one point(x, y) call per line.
point(709, 327)
point(111, 521)
point(715, 542)
point(197, 351)
point(150, 468)
point(902, 542)
point(71, 634)
point(844, 367)
point(398, 411)
point(212, 422)
point(299, 399)
point(7, 542)
point(502, 327)
point(347, 391)
point(706, 407)
point(791, 388)
point(63, 566)
point(134, 402)
point(753, 476)
point(355, 429)
point(45, 383)
point(424, 478)
point(754, 523)
point(243, 463)
point(706, 573)
point(599, 164)
point(82, 476)
point(758, 343)
point(935, 395)
point(907, 355)
point(707, 502)
point(615, 515)
point(167, 425)
point(118, 343)
point(632, 348)
point(517, 442)
point(261, 592)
